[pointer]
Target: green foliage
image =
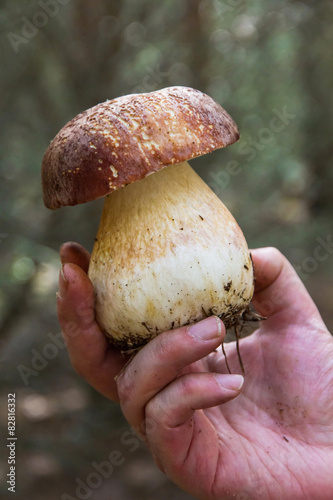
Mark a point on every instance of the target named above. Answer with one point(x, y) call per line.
point(268, 63)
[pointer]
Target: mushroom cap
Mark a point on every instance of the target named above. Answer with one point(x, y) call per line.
point(123, 140)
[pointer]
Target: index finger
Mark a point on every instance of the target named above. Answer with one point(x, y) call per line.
point(161, 361)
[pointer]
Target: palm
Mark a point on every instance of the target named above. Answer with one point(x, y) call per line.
point(277, 414)
point(273, 442)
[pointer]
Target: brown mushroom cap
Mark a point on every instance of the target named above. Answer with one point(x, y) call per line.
point(123, 140)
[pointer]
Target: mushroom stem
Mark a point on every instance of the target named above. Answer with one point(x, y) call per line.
point(167, 253)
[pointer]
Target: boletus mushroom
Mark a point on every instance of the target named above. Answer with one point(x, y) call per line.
point(168, 252)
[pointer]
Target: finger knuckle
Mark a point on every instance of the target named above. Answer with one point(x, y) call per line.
point(155, 411)
point(169, 347)
point(187, 385)
point(125, 387)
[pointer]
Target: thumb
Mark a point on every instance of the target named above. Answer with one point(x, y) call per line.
point(279, 292)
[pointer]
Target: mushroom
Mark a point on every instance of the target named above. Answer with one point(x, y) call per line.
point(168, 252)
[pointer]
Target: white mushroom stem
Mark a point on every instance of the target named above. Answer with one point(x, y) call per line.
point(167, 253)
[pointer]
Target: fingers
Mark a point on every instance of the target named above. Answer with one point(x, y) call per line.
point(278, 288)
point(170, 428)
point(76, 254)
point(161, 361)
point(89, 350)
point(193, 391)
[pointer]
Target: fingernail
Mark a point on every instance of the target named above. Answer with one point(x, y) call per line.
point(60, 252)
point(208, 329)
point(63, 283)
point(232, 382)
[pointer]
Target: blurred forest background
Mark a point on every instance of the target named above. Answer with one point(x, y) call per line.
point(270, 65)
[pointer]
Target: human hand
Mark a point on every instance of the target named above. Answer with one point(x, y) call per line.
point(274, 441)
